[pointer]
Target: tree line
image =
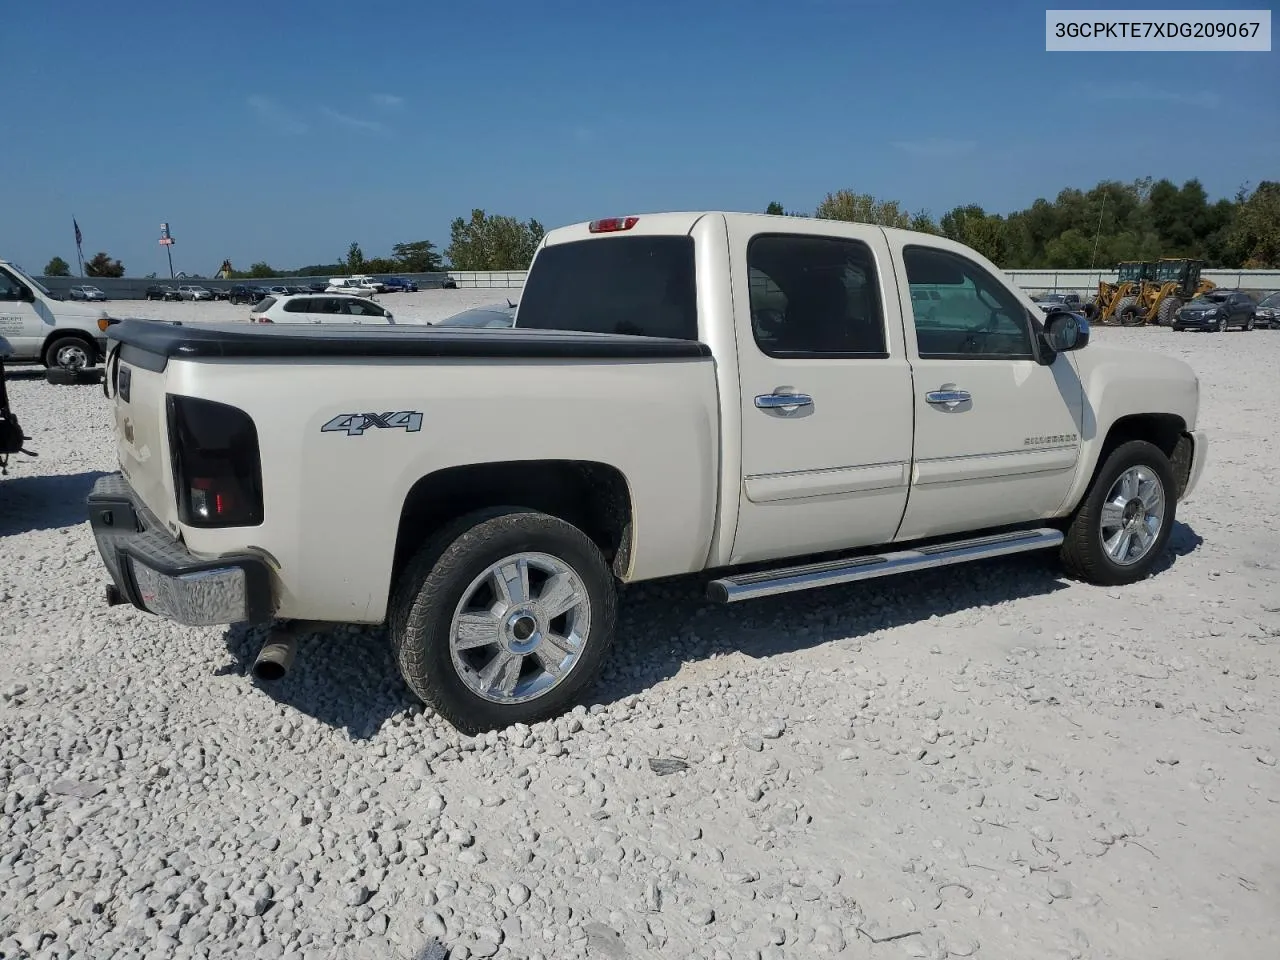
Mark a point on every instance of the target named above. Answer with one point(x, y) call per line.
point(1079, 229)
point(1098, 228)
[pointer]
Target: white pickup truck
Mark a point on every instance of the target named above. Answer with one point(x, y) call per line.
point(742, 396)
point(42, 328)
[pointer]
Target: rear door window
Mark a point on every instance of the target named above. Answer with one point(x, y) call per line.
point(638, 285)
point(304, 305)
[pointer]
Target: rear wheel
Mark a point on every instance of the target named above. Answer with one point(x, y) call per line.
point(1248, 324)
point(503, 618)
point(1124, 521)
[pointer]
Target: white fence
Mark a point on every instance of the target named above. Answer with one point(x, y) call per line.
point(489, 278)
point(1036, 281)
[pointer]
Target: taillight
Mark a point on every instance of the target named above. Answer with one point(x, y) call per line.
point(612, 224)
point(217, 466)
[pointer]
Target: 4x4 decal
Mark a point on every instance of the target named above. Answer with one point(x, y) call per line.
point(355, 424)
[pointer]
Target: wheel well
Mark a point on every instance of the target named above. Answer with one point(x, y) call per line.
point(592, 496)
point(1168, 431)
point(86, 338)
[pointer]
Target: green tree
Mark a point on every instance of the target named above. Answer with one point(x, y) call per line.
point(102, 265)
point(57, 267)
point(862, 208)
point(1255, 234)
point(418, 256)
point(492, 242)
point(262, 270)
point(774, 209)
point(355, 258)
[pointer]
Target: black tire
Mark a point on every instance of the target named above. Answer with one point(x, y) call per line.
point(1082, 552)
point(1168, 306)
point(1127, 311)
point(1248, 324)
point(70, 353)
point(433, 586)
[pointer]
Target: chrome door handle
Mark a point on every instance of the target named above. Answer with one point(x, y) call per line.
point(783, 401)
point(947, 398)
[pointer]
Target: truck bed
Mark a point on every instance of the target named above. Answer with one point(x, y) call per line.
point(164, 341)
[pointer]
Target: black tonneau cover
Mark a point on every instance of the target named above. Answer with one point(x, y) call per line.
point(306, 341)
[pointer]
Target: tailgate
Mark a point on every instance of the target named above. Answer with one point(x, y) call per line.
point(142, 442)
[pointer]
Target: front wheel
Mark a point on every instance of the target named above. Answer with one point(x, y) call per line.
point(70, 353)
point(503, 618)
point(1125, 519)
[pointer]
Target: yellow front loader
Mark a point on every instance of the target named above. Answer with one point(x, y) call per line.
point(1112, 298)
point(1173, 283)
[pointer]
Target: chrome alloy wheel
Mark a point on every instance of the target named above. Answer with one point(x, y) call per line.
point(72, 356)
point(519, 628)
point(1132, 515)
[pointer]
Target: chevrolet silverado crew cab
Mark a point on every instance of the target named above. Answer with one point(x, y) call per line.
point(42, 328)
point(747, 397)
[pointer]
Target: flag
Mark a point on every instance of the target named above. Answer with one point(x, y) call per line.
point(79, 236)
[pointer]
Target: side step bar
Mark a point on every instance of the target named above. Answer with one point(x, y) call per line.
point(749, 586)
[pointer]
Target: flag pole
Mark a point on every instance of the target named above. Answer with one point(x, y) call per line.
point(79, 252)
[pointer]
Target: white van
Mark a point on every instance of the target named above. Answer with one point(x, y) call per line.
point(42, 328)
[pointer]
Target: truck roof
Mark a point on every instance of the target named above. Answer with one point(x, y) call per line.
point(683, 221)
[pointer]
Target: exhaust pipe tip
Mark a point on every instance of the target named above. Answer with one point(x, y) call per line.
point(275, 658)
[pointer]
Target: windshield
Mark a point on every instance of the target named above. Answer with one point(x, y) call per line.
point(27, 278)
point(1271, 300)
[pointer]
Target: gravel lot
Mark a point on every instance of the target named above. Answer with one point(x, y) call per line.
point(988, 761)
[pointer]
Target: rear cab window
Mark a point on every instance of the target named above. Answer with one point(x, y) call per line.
point(637, 285)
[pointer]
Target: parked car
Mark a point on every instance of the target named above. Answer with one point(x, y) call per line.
point(243, 293)
point(161, 292)
point(448, 283)
point(194, 293)
point(42, 328)
point(398, 285)
point(480, 317)
point(279, 290)
point(86, 292)
point(1216, 310)
point(349, 285)
point(220, 293)
point(1049, 302)
point(1268, 312)
point(373, 475)
point(322, 308)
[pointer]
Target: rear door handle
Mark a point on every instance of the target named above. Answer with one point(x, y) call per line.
point(783, 401)
point(948, 398)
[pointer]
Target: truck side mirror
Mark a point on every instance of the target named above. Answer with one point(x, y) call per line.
point(1065, 331)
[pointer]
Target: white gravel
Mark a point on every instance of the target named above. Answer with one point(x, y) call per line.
point(989, 761)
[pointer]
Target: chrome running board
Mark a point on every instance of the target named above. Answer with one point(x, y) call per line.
point(749, 586)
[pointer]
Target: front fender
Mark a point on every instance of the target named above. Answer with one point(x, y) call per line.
point(1120, 383)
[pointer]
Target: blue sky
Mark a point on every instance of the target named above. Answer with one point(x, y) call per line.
point(283, 132)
